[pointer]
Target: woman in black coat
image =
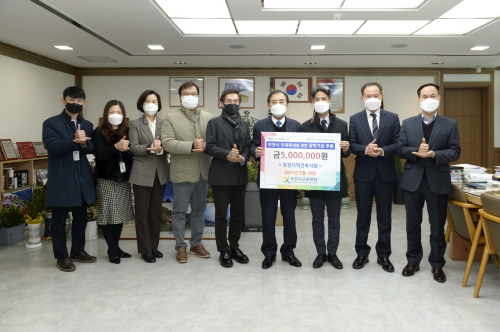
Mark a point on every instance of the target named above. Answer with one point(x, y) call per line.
point(113, 166)
point(325, 122)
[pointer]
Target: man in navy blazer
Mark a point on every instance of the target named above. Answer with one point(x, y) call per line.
point(428, 142)
point(277, 102)
point(373, 135)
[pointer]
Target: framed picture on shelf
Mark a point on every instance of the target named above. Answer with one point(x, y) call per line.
point(297, 88)
point(40, 149)
point(246, 87)
point(336, 85)
point(8, 151)
point(16, 150)
point(176, 82)
point(26, 150)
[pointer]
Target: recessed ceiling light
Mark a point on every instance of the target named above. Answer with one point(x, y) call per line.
point(329, 27)
point(318, 47)
point(390, 27)
point(301, 4)
point(399, 45)
point(452, 27)
point(237, 47)
point(195, 8)
point(266, 27)
point(156, 47)
point(385, 4)
point(437, 63)
point(309, 63)
point(479, 48)
point(180, 63)
point(64, 47)
point(206, 26)
point(474, 9)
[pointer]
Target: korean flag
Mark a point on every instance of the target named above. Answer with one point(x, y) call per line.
point(296, 88)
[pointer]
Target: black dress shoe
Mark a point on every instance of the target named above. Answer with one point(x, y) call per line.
point(336, 263)
point(65, 264)
point(410, 270)
point(82, 257)
point(225, 259)
point(386, 264)
point(360, 262)
point(115, 260)
point(125, 255)
point(268, 261)
point(318, 262)
point(438, 274)
point(239, 256)
point(156, 253)
point(292, 260)
point(149, 258)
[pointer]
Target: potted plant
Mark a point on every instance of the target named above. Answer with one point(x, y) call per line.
point(33, 204)
point(91, 229)
point(347, 200)
point(398, 192)
point(12, 224)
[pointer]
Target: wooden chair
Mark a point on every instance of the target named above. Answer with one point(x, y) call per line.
point(459, 215)
point(490, 223)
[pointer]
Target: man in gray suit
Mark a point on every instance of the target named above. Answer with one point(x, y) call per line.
point(428, 142)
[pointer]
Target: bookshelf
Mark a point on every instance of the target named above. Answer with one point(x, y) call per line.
point(20, 164)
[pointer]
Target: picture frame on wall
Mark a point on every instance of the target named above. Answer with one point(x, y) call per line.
point(337, 88)
point(297, 88)
point(246, 87)
point(176, 82)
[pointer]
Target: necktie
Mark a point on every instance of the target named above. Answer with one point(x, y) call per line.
point(278, 123)
point(323, 125)
point(374, 125)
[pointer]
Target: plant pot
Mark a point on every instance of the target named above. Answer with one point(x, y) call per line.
point(12, 235)
point(399, 198)
point(253, 210)
point(91, 230)
point(34, 240)
point(344, 204)
point(304, 203)
point(47, 219)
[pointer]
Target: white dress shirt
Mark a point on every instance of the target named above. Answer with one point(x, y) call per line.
point(152, 127)
point(282, 121)
point(370, 124)
point(327, 120)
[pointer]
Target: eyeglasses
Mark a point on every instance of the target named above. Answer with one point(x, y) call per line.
point(185, 94)
point(78, 101)
point(321, 99)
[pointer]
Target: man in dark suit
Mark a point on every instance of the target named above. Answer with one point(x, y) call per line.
point(428, 142)
point(228, 142)
point(277, 103)
point(373, 133)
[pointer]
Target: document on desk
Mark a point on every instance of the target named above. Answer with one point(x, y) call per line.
point(305, 161)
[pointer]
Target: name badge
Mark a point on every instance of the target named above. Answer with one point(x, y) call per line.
point(122, 167)
point(76, 155)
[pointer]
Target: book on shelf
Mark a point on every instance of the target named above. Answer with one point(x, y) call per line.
point(22, 178)
point(8, 172)
point(16, 150)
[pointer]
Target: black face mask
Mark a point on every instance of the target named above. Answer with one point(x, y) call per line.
point(74, 107)
point(231, 109)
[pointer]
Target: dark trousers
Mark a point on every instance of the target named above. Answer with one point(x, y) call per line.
point(437, 208)
point(223, 196)
point(58, 230)
point(112, 236)
point(364, 203)
point(269, 204)
point(318, 225)
point(148, 215)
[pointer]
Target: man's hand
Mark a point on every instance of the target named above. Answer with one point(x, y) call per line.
point(80, 137)
point(344, 145)
point(370, 147)
point(156, 145)
point(235, 152)
point(238, 159)
point(122, 145)
point(376, 152)
point(428, 154)
point(198, 144)
point(424, 147)
point(259, 152)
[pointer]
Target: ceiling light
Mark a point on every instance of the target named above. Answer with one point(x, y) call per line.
point(237, 47)
point(452, 27)
point(479, 48)
point(474, 9)
point(64, 47)
point(195, 8)
point(317, 47)
point(437, 63)
point(180, 63)
point(382, 4)
point(309, 63)
point(399, 45)
point(266, 27)
point(206, 27)
point(301, 4)
point(329, 27)
point(156, 47)
point(390, 27)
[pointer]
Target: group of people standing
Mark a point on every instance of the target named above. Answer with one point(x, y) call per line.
point(206, 150)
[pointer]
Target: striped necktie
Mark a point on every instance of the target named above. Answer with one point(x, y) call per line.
point(374, 124)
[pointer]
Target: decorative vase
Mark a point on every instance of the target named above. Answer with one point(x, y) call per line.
point(91, 230)
point(47, 219)
point(305, 204)
point(344, 204)
point(34, 240)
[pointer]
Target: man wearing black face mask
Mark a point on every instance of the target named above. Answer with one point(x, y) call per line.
point(228, 142)
point(71, 185)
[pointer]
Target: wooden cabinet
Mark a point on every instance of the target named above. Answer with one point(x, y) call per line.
point(20, 164)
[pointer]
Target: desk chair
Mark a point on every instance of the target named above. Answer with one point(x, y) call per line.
point(459, 215)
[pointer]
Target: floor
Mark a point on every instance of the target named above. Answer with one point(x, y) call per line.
point(203, 296)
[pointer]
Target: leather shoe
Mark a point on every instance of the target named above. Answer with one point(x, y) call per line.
point(115, 260)
point(268, 262)
point(410, 270)
point(336, 263)
point(438, 274)
point(292, 260)
point(156, 253)
point(82, 257)
point(360, 262)
point(225, 259)
point(125, 255)
point(386, 264)
point(65, 264)
point(318, 262)
point(239, 256)
point(149, 258)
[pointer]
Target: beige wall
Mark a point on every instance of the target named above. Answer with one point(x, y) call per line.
point(29, 94)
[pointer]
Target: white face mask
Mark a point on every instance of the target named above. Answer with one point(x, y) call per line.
point(115, 119)
point(321, 107)
point(150, 109)
point(278, 110)
point(190, 102)
point(429, 105)
point(373, 104)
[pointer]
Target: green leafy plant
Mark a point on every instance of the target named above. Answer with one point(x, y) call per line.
point(250, 120)
point(210, 195)
point(399, 165)
point(92, 212)
point(33, 201)
point(11, 216)
point(349, 181)
point(253, 170)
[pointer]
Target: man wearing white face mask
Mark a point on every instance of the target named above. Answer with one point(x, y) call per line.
point(183, 136)
point(428, 142)
point(373, 135)
point(277, 103)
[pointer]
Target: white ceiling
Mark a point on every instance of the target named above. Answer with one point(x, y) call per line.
point(133, 24)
